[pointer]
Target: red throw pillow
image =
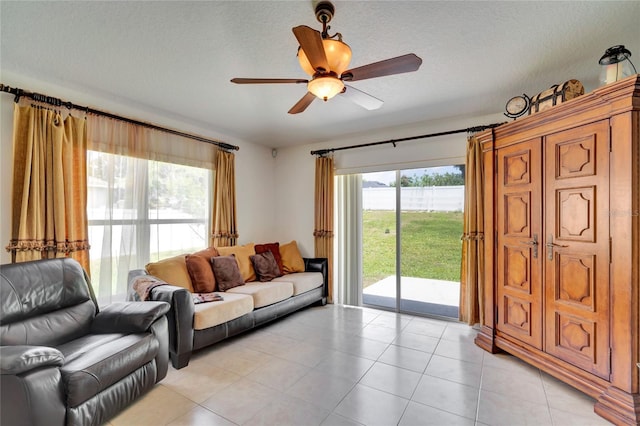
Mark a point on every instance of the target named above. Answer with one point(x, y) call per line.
point(274, 248)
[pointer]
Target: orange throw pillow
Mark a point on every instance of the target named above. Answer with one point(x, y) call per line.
point(201, 271)
point(172, 270)
point(291, 259)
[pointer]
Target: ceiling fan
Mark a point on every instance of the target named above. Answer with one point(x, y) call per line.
point(326, 58)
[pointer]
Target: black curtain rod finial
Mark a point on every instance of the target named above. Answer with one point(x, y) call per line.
point(321, 152)
point(228, 147)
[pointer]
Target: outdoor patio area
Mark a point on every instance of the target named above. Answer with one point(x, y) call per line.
point(420, 295)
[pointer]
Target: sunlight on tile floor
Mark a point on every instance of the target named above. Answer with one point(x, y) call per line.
point(338, 365)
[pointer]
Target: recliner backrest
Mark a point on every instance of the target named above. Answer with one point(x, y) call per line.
point(44, 302)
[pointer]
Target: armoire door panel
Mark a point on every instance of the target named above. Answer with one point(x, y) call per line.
point(517, 316)
point(575, 281)
point(516, 268)
point(577, 231)
point(517, 214)
point(576, 338)
point(575, 212)
point(576, 157)
point(519, 207)
point(516, 168)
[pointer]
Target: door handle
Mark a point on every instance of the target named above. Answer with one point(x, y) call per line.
point(534, 244)
point(550, 245)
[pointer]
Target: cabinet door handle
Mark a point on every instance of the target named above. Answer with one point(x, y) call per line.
point(550, 245)
point(534, 244)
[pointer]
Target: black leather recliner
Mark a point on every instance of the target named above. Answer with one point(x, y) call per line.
point(64, 361)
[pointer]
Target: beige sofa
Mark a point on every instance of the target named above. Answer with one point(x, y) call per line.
point(194, 325)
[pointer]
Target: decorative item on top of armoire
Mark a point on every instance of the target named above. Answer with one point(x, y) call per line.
point(616, 64)
point(517, 106)
point(562, 244)
point(555, 95)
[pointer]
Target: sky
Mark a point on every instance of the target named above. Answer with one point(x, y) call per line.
point(390, 176)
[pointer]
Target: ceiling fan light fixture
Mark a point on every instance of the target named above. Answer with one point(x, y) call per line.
point(338, 56)
point(325, 86)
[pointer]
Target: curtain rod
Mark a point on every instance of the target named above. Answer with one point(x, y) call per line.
point(59, 103)
point(474, 129)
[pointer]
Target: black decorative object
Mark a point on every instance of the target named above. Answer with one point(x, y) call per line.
point(517, 106)
point(616, 64)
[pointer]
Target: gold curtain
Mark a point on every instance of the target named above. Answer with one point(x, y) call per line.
point(472, 270)
point(323, 223)
point(224, 231)
point(49, 195)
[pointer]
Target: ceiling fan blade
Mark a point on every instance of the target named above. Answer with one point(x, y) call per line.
point(267, 80)
point(311, 42)
point(361, 98)
point(303, 103)
point(399, 65)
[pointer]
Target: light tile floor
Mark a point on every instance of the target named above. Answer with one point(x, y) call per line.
point(337, 365)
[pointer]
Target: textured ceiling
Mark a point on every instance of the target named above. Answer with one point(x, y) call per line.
point(176, 58)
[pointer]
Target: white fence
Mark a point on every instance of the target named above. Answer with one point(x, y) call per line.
point(429, 198)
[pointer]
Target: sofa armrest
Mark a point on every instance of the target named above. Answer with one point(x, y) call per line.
point(19, 359)
point(128, 317)
point(180, 317)
point(319, 264)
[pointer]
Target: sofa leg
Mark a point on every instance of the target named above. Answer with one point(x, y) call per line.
point(180, 361)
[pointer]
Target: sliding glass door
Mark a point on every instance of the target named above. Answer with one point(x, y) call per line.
point(379, 242)
point(411, 228)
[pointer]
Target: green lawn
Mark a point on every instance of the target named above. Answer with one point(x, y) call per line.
point(431, 246)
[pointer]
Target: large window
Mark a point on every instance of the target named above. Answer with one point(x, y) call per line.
point(140, 211)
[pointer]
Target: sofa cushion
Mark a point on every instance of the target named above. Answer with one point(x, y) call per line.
point(214, 313)
point(227, 273)
point(265, 266)
point(303, 281)
point(172, 270)
point(242, 254)
point(265, 293)
point(101, 366)
point(273, 248)
point(291, 259)
point(78, 347)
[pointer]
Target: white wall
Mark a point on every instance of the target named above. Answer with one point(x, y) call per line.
point(255, 167)
point(6, 170)
point(295, 173)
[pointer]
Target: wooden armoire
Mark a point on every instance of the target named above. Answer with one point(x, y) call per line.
point(562, 244)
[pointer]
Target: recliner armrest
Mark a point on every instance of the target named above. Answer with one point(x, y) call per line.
point(19, 359)
point(128, 317)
